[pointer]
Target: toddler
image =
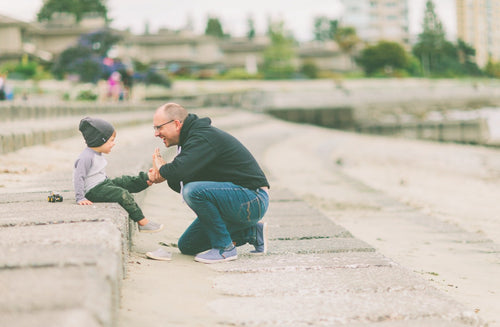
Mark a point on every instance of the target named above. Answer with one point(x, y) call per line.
point(92, 184)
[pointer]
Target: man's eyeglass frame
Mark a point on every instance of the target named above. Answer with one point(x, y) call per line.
point(157, 127)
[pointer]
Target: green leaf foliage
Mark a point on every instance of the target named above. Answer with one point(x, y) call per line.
point(77, 8)
point(384, 55)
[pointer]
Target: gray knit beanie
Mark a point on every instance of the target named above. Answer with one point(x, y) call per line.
point(95, 131)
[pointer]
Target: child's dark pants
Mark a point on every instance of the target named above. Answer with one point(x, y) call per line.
point(118, 190)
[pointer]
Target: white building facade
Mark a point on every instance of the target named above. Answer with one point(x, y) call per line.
point(377, 20)
point(478, 24)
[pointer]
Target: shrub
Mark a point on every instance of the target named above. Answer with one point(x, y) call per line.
point(86, 95)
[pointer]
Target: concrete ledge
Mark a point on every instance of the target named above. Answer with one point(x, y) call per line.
point(56, 258)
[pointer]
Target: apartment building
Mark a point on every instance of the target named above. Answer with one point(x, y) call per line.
point(377, 20)
point(478, 24)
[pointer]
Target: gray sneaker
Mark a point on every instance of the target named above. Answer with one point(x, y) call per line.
point(217, 255)
point(150, 227)
point(160, 254)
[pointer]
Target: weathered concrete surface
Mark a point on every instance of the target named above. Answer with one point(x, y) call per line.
point(320, 277)
point(60, 263)
point(57, 257)
point(316, 273)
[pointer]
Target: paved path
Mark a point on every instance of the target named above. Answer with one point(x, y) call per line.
point(316, 273)
point(62, 264)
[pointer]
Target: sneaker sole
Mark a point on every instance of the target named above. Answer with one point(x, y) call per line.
point(152, 256)
point(215, 261)
point(151, 231)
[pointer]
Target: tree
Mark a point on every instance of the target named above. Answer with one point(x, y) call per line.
point(86, 58)
point(77, 8)
point(214, 28)
point(431, 42)
point(278, 56)
point(466, 54)
point(251, 28)
point(384, 56)
point(324, 28)
point(439, 57)
point(492, 68)
point(347, 39)
point(100, 41)
point(309, 69)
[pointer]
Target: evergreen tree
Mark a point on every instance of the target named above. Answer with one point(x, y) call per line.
point(439, 57)
point(431, 42)
point(251, 28)
point(321, 28)
point(334, 24)
point(279, 55)
point(324, 28)
point(214, 28)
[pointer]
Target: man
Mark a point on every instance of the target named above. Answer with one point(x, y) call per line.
point(219, 180)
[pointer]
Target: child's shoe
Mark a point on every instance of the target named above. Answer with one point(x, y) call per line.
point(150, 227)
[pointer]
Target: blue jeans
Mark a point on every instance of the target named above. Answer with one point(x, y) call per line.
point(226, 213)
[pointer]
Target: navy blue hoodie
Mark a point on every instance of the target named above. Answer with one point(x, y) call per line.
point(210, 154)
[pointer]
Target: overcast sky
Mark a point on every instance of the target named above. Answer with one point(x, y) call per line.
point(298, 15)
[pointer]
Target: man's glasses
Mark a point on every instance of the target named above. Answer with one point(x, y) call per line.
point(157, 127)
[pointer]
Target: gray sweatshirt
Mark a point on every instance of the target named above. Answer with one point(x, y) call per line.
point(88, 172)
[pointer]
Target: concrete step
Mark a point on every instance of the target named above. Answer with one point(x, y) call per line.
point(58, 257)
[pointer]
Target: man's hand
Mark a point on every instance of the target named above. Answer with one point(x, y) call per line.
point(157, 159)
point(154, 173)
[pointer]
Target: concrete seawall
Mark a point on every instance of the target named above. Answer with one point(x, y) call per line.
point(63, 264)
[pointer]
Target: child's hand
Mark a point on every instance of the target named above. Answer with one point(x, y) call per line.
point(85, 202)
point(154, 176)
